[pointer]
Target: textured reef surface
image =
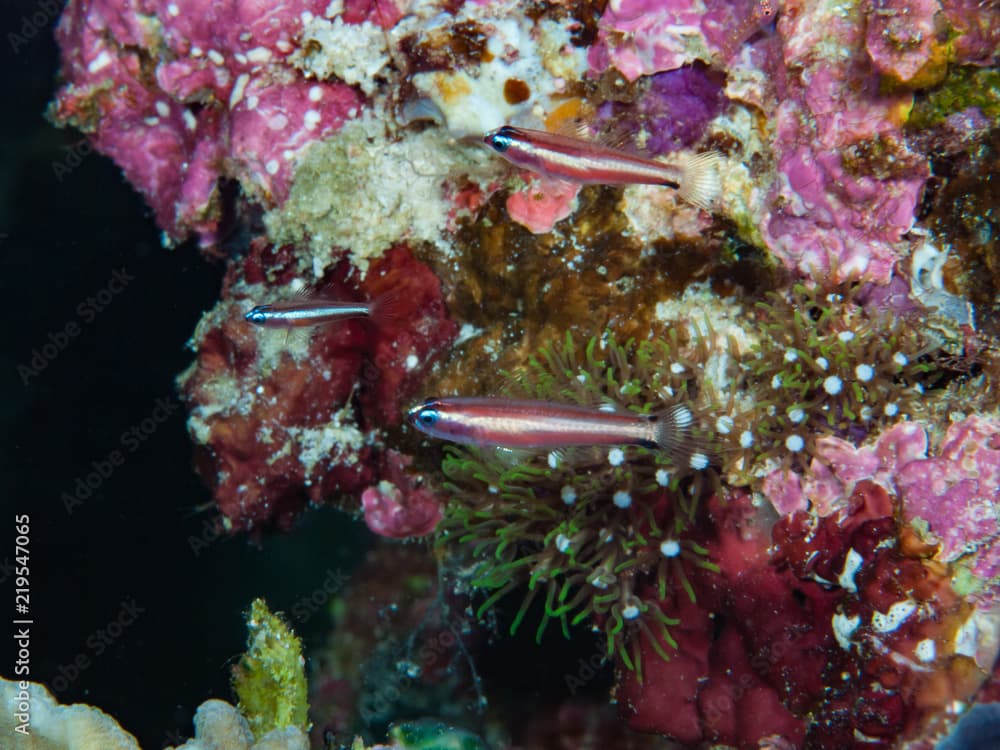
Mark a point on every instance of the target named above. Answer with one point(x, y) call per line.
point(818, 567)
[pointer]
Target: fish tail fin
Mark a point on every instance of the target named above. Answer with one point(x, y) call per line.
point(387, 308)
point(674, 431)
point(700, 181)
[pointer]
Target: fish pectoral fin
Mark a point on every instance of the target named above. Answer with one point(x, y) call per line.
point(549, 186)
point(511, 457)
point(297, 338)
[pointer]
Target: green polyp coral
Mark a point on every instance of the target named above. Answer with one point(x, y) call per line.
point(433, 735)
point(428, 735)
point(964, 87)
point(827, 365)
point(599, 535)
point(270, 679)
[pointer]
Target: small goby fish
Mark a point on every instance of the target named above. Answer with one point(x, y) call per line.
point(306, 311)
point(517, 424)
point(565, 157)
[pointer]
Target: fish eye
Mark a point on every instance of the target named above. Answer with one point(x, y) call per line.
point(500, 140)
point(256, 315)
point(428, 417)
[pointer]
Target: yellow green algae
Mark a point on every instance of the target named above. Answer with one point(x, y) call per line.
point(401, 179)
point(964, 87)
point(270, 680)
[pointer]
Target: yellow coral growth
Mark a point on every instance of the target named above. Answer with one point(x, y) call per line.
point(270, 680)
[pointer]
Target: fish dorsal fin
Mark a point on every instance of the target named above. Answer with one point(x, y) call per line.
point(304, 294)
point(511, 457)
point(327, 291)
point(574, 127)
point(616, 135)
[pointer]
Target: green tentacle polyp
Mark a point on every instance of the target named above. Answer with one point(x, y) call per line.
point(548, 525)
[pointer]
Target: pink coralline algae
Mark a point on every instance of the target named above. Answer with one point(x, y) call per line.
point(910, 42)
point(815, 633)
point(901, 36)
point(849, 186)
point(182, 94)
point(279, 425)
point(396, 508)
point(957, 493)
point(977, 30)
point(954, 490)
point(538, 207)
point(642, 37)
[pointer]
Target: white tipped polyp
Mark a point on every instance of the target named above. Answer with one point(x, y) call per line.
point(833, 385)
point(568, 495)
point(698, 461)
point(864, 372)
point(795, 443)
point(622, 499)
point(670, 548)
point(724, 424)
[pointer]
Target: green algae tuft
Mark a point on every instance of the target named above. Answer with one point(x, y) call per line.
point(270, 680)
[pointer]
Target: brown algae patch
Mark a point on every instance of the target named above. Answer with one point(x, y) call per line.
point(521, 291)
